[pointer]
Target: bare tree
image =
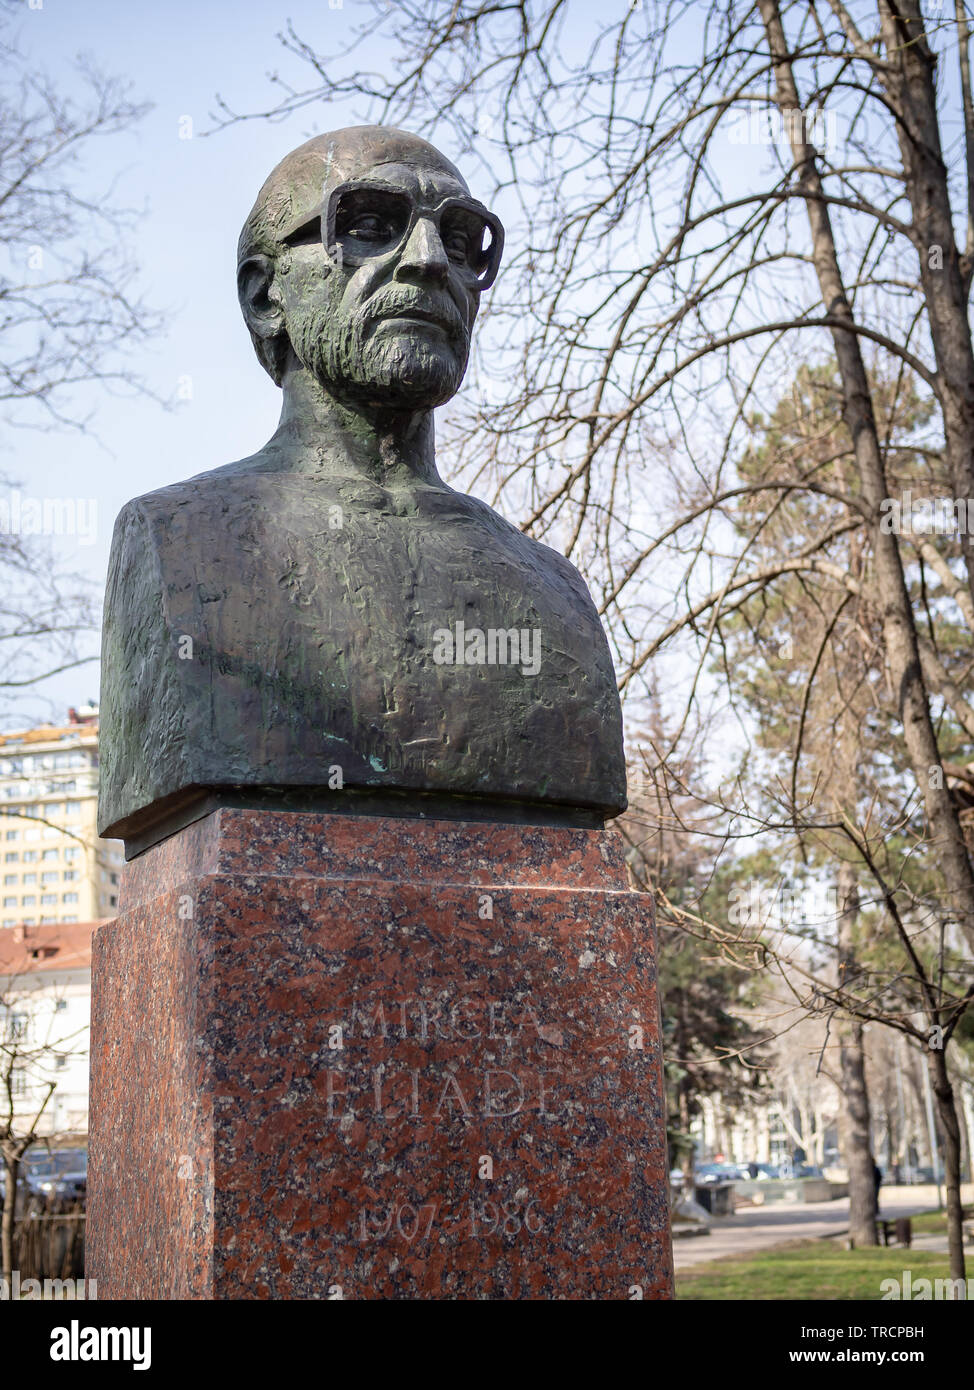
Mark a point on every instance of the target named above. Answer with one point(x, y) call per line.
point(69, 321)
point(68, 317)
point(711, 1048)
point(704, 196)
point(661, 283)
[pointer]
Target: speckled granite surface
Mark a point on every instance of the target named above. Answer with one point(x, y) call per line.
point(338, 1057)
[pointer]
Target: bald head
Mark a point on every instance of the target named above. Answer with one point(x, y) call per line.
point(381, 304)
point(295, 189)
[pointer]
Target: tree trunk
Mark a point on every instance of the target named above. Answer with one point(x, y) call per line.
point(688, 1152)
point(909, 75)
point(967, 1114)
point(852, 1068)
point(11, 1169)
point(682, 1043)
point(957, 1081)
point(950, 1127)
point(891, 593)
point(892, 1126)
point(858, 1155)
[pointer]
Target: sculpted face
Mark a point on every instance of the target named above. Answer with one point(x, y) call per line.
point(379, 287)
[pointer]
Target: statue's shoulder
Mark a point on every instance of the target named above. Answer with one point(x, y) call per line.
point(160, 514)
point(541, 558)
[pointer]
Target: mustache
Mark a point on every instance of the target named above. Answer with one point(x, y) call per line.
point(393, 301)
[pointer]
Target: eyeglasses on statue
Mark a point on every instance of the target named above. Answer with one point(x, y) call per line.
point(363, 220)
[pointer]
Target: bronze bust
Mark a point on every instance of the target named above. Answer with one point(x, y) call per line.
point(326, 623)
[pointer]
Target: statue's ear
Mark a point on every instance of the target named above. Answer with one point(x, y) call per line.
point(260, 298)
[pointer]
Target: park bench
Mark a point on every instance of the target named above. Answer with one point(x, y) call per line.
point(894, 1231)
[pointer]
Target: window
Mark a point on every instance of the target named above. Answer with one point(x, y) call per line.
point(30, 878)
point(12, 835)
point(51, 877)
point(60, 1005)
point(11, 858)
point(73, 808)
point(17, 1027)
point(70, 875)
point(48, 899)
point(53, 808)
point(49, 854)
point(60, 1062)
point(113, 902)
point(10, 880)
point(48, 921)
point(18, 1082)
point(29, 901)
point(69, 919)
point(113, 877)
point(10, 902)
point(69, 897)
point(30, 856)
point(72, 852)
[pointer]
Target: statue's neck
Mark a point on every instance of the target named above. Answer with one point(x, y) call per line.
point(318, 434)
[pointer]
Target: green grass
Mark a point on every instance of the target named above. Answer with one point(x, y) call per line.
point(935, 1222)
point(809, 1269)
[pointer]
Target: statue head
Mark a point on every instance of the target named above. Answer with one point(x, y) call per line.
point(363, 261)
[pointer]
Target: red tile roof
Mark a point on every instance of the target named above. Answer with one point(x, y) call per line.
point(54, 946)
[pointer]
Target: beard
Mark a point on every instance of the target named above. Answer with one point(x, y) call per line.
point(364, 360)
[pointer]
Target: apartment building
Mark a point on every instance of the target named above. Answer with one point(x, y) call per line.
point(45, 1011)
point(54, 867)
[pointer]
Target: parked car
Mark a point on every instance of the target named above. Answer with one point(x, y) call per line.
point(924, 1175)
point(762, 1171)
point(720, 1172)
point(58, 1173)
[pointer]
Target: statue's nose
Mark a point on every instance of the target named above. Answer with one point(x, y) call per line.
point(424, 253)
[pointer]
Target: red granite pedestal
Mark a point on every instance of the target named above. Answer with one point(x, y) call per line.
point(338, 1057)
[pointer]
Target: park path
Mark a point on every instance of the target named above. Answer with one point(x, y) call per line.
point(758, 1228)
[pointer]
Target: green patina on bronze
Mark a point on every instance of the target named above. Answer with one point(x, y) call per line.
point(276, 619)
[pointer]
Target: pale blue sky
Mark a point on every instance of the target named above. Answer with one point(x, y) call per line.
point(197, 193)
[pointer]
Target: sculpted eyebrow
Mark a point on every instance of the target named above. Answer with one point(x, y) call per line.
point(308, 232)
